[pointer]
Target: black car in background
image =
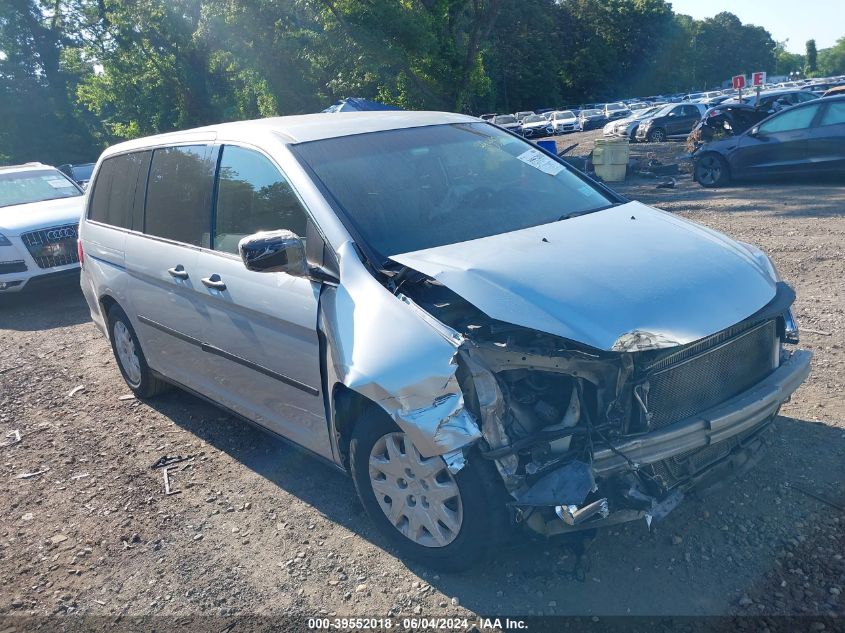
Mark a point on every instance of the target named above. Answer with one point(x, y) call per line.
point(774, 100)
point(805, 138)
point(80, 174)
point(591, 118)
point(674, 121)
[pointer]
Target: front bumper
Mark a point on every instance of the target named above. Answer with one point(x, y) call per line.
point(18, 268)
point(739, 423)
point(715, 425)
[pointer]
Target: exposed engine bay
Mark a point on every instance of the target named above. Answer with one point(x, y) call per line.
point(548, 407)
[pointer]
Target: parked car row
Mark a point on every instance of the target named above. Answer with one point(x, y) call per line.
point(589, 116)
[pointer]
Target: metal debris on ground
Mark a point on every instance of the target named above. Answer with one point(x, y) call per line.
point(812, 331)
point(818, 497)
point(75, 390)
point(16, 437)
point(128, 396)
point(566, 150)
point(167, 490)
point(32, 474)
point(667, 184)
point(167, 460)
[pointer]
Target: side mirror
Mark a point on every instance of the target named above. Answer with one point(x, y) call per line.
point(279, 251)
point(755, 131)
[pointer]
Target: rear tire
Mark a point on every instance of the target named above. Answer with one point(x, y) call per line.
point(471, 502)
point(130, 358)
point(711, 170)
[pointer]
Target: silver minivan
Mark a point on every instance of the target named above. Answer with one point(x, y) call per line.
point(485, 338)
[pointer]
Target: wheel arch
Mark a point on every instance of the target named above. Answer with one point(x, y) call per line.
point(107, 302)
point(348, 406)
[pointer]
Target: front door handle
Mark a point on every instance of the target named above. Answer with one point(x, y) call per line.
point(178, 272)
point(214, 282)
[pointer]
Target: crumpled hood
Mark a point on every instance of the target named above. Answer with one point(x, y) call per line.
point(21, 218)
point(611, 279)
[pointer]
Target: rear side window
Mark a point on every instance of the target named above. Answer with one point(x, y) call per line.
point(252, 196)
point(117, 198)
point(793, 119)
point(178, 203)
point(834, 114)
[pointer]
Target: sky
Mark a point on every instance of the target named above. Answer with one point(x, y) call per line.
point(822, 20)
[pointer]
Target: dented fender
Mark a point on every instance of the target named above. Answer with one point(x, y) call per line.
point(386, 348)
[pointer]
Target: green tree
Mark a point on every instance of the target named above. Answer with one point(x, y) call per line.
point(812, 56)
point(832, 60)
point(786, 62)
point(40, 67)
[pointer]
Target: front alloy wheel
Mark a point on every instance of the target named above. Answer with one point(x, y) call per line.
point(418, 496)
point(446, 521)
point(656, 136)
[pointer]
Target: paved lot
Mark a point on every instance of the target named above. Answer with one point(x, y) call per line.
point(259, 528)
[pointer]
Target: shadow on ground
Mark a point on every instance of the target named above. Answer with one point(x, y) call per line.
point(713, 550)
point(44, 306)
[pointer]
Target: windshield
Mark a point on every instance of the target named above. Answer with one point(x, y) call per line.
point(647, 112)
point(410, 189)
point(615, 106)
point(533, 119)
point(591, 112)
point(22, 187)
point(508, 118)
point(566, 114)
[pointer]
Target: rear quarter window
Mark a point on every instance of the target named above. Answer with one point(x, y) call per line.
point(118, 191)
point(178, 204)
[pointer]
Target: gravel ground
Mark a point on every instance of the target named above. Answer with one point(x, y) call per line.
point(258, 528)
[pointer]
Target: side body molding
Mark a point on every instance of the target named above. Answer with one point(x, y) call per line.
point(389, 350)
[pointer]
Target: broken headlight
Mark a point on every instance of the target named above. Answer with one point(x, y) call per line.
point(790, 324)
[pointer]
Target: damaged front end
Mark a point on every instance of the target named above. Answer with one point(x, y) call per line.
point(584, 437)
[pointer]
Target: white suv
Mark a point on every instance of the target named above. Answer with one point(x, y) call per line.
point(40, 209)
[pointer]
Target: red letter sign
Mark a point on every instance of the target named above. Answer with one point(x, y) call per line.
point(758, 79)
point(738, 82)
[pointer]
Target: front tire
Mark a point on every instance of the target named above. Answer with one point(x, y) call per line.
point(657, 135)
point(444, 521)
point(130, 358)
point(711, 170)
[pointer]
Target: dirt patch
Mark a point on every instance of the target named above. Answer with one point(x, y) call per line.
point(258, 528)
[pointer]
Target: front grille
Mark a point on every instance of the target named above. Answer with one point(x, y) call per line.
point(709, 372)
point(17, 266)
point(55, 246)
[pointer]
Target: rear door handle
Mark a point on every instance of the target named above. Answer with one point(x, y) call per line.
point(178, 272)
point(214, 282)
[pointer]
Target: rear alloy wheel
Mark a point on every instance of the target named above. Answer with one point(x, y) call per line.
point(445, 521)
point(656, 135)
point(711, 170)
point(130, 359)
